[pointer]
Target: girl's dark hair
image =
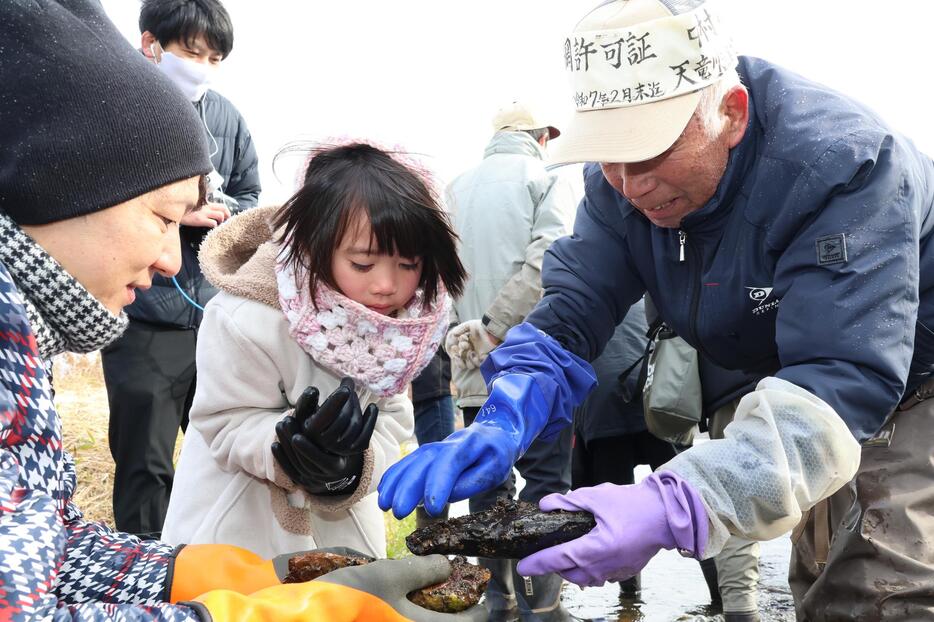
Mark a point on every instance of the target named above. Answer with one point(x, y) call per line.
point(405, 215)
point(183, 21)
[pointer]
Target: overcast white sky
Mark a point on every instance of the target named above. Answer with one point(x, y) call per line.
point(429, 74)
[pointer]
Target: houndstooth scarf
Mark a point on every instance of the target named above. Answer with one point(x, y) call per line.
point(64, 316)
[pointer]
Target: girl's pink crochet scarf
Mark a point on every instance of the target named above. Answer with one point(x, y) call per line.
point(380, 352)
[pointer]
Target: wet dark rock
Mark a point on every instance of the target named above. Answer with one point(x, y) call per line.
point(509, 530)
point(309, 566)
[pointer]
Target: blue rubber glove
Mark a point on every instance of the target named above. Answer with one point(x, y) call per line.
point(534, 386)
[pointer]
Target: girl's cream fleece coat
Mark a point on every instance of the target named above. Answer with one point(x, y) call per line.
point(228, 487)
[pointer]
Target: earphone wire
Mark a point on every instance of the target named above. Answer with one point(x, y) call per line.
point(186, 296)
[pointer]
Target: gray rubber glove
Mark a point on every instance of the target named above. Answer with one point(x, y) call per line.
point(391, 580)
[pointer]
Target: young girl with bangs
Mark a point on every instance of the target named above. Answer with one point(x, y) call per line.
point(337, 299)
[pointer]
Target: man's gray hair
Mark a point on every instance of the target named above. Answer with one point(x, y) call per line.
point(709, 107)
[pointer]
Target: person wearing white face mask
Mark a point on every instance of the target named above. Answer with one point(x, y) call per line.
point(150, 371)
point(192, 76)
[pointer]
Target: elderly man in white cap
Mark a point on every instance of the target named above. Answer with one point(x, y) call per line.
point(781, 228)
point(507, 211)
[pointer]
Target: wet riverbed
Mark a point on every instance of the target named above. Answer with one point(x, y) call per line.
point(674, 589)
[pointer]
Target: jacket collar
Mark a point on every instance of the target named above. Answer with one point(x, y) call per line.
point(516, 143)
point(741, 159)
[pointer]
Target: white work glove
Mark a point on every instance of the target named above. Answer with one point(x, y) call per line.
point(469, 343)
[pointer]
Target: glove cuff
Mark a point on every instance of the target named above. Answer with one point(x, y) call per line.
point(200, 568)
point(518, 407)
point(314, 600)
point(340, 503)
point(684, 512)
point(564, 378)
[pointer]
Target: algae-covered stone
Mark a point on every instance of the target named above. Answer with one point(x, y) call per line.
point(509, 530)
point(461, 591)
point(311, 565)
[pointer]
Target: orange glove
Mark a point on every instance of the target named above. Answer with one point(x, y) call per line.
point(375, 592)
point(200, 568)
point(298, 602)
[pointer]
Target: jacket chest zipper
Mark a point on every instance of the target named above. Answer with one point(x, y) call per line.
point(694, 282)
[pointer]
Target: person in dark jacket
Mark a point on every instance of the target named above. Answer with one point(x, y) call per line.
point(434, 413)
point(610, 435)
point(611, 438)
point(782, 229)
point(150, 371)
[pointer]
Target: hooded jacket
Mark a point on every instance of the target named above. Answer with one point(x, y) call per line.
point(812, 262)
point(228, 488)
point(507, 212)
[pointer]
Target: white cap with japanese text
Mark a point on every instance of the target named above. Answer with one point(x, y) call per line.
point(636, 67)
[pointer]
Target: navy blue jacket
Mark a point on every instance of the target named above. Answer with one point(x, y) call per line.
point(235, 159)
point(806, 264)
point(434, 381)
point(614, 408)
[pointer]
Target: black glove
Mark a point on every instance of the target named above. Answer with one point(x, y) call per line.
point(321, 448)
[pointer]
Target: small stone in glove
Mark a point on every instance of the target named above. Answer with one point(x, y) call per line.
point(321, 448)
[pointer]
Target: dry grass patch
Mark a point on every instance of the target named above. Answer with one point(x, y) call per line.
point(81, 400)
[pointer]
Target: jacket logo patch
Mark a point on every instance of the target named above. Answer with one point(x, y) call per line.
point(761, 296)
point(831, 249)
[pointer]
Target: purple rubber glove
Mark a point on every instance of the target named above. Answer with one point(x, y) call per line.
point(633, 524)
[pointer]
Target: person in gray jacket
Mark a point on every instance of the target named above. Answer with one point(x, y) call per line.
point(507, 212)
point(150, 371)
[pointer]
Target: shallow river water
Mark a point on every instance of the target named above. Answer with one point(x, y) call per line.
point(674, 589)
